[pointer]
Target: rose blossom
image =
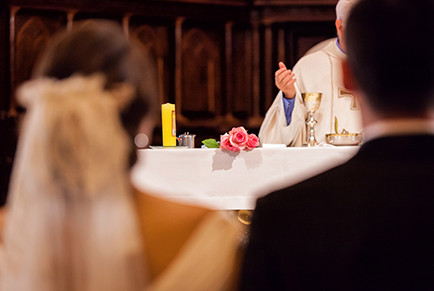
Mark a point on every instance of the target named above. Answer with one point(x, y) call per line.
point(253, 142)
point(226, 145)
point(238, 137)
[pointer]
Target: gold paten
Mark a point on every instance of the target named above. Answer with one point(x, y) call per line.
point(344, 138)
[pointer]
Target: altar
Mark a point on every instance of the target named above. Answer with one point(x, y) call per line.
point(226, 180)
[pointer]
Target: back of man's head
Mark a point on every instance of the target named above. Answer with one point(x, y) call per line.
point(390, 46)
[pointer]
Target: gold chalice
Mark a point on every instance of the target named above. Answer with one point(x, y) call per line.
point(312, 101)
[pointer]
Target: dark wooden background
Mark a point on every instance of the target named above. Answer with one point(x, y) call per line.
point(215, 58)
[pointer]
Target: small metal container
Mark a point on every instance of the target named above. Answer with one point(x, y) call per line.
point(344, 139)
point(186, 139)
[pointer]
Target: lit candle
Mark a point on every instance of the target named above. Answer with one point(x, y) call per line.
point(168, 123)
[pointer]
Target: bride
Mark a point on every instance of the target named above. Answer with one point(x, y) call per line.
point(74, 221)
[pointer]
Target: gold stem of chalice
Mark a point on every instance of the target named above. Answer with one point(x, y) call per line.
point(312, 101)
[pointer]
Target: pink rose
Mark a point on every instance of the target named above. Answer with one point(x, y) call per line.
point(253, 142)
point(238, 137)
point(225, 144)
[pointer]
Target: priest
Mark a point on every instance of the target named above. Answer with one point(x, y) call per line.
point(318, 71)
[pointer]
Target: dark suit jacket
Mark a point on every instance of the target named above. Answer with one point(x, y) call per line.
point(365, 225)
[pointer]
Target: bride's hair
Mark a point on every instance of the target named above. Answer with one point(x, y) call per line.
point(100, 46)
point(72, 223)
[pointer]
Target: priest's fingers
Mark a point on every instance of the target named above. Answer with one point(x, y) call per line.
point(285, 82)
point(289, 85)
point(288, 89)
point(287, 77)
point(283, 77)
point(289, 82)
point(282, 69)
point(282, 72)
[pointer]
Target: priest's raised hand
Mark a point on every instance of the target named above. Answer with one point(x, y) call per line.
point(285, 80)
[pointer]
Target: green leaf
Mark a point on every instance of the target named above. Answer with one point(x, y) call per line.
point(211, 143)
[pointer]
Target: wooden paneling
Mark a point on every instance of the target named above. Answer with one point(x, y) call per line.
point(30, 33)
point(215, 70)
point(305, 35)
point(147, 8)
point(294, 2)
point(214, 2)
point(201, 73)
point(240, 103)
point(153, 35)
point(290, 42)
point(217, 67)
point(215, 58)
point(7, 123)
point(270, 15)
point(4, 63)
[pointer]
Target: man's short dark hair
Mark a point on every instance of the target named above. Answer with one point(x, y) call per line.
point(390, 46)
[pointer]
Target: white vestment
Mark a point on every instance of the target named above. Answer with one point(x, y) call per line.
point(319, 71)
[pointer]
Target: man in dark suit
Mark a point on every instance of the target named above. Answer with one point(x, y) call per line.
point(369, 223)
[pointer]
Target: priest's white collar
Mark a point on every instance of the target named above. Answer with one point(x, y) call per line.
point(339, 46)
point(398, 127)
point(338, 50)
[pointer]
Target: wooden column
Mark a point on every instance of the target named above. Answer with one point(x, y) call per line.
point(70, 19)
point(292, 59)
point(4, 66)
point(256, 90)
point(13, 103)
point(178, 67)
point(229, 72)
point(281, 47)
point(126, 24)
point(268, 66)
point(248, 58)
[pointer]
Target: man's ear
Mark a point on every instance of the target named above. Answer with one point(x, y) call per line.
point(348, 76)
point(339, 27)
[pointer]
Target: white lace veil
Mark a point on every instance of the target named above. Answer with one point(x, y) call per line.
point(71, 223)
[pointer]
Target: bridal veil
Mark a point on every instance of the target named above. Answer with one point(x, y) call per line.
point(71, 221)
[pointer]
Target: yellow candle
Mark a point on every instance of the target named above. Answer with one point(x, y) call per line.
point(168, 123)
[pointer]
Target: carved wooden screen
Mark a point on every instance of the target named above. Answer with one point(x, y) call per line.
point(201, 74)
point(239, 100)
point(32, 31)
point(215, 58)
point(154, 42)
point(215, 61)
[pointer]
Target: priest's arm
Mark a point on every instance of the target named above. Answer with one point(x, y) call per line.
point(284, 122)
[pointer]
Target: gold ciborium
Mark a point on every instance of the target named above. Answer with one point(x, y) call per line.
point(312, 101)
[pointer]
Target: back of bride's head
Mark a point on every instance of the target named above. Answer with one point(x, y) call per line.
point(98, 46)
point(72, 224)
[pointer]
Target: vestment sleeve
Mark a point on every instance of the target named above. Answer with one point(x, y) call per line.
point(275, 129)
point(288, 106)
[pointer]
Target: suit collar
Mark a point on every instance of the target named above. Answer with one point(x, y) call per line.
point(399, 127)
point(399, 147)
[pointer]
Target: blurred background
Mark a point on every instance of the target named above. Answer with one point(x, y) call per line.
point(215, 58)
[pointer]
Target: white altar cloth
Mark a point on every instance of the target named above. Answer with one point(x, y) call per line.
point(225, 180)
